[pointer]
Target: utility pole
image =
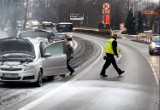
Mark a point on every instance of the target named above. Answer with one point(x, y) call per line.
point(138, 5)
point(147, 2)
point(128, 5)
point(25, 16)
point(133, 8)
point(14, 19)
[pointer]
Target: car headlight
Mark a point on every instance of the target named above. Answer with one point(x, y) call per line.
point(153, 45)
point(29, 67)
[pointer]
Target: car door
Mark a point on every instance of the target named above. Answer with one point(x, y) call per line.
point(55, 59)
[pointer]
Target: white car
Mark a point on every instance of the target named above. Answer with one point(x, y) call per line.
point(30, 60)
point(49, 26)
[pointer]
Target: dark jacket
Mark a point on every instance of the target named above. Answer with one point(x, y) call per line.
point(69, 51)
point(114, 46)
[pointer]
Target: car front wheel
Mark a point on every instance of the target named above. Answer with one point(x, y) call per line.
point(150, 52)
point(39, 81)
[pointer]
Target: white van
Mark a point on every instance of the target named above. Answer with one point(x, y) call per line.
point(66, 28)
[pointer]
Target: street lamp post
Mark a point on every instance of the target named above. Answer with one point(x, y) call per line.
point(133, 8)
point(133, 4)
point(128, 2)
point(138, 4)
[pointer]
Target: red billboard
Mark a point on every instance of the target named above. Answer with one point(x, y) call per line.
point(107, 21)
point(106, 8)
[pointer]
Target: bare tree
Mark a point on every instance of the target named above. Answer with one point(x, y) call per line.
point(59, 10)
point(8, 11)
point(4, 4)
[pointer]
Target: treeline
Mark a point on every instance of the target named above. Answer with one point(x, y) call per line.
point(59, 10)
point(12, 11)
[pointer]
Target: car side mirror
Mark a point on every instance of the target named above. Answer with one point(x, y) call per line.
point(47, 55)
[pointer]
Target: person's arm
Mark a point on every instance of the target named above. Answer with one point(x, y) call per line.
point(114, 46)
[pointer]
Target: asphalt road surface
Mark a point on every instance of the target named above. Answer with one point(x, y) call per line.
point(136, 89)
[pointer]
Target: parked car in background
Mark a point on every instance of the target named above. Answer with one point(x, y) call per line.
point(32, 24)
point(34, 33)
point(43, 34)
point(154, 46)
point(30, 60)
point(49, 26)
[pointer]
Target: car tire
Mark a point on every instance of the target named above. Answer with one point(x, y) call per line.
point(39, 81)
point(50, 78)
point(150, 52)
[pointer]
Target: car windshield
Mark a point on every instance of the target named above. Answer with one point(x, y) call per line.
point(156, 39)
point(16, 46)
point(34, 34)
point(65, 27)
point(49, 29)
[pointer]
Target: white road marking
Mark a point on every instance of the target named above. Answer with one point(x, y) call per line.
point(75, 44)
point(152, 67)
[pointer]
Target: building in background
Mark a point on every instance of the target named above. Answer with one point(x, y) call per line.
point(156, 25)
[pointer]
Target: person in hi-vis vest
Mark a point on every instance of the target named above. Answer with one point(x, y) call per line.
point(111, 49)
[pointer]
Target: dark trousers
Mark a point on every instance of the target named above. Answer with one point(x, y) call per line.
point(69, 67)
point(110, 59)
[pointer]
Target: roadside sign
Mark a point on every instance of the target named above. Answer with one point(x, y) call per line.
point(76, 16)
point(107, 19)
point(106, 8)
point(150, 12)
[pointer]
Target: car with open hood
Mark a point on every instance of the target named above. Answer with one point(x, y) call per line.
point(30, 60)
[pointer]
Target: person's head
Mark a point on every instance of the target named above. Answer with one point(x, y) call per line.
point(50, 39)
point(114, 36)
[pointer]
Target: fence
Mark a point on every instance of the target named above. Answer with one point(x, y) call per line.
point(143, 37)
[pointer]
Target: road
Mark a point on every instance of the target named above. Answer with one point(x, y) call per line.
point(137, 89)
point(13, 93)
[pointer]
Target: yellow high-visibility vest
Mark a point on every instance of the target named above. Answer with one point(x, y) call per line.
point(109, 49)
